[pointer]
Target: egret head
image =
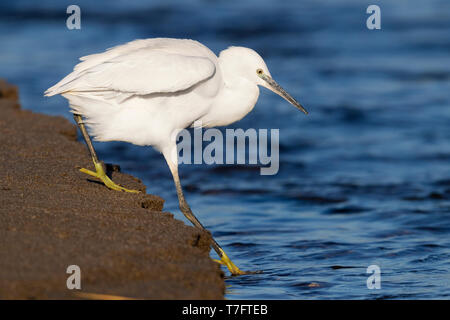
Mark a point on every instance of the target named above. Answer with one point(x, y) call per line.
point(248, 64)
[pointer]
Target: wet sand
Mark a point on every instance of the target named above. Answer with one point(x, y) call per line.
point(53, 216)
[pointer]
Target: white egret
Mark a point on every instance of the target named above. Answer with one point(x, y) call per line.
point(146, 91)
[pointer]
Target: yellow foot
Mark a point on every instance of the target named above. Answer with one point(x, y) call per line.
point(235, 271)
point(100, 174)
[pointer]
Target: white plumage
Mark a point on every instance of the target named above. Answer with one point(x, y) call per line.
point(146, 91)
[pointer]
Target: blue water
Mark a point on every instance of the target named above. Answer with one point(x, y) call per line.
point(364, 179)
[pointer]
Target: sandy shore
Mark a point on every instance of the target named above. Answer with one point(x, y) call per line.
point(53, 216)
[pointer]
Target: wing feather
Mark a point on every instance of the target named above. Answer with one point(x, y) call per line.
point(141, 67)
point(149, 71)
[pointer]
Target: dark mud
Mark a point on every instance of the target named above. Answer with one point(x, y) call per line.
point(53, 216)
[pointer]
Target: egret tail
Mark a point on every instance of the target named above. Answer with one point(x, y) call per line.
point(99, 168)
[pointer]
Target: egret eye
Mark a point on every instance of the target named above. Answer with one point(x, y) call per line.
point(259, 72)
